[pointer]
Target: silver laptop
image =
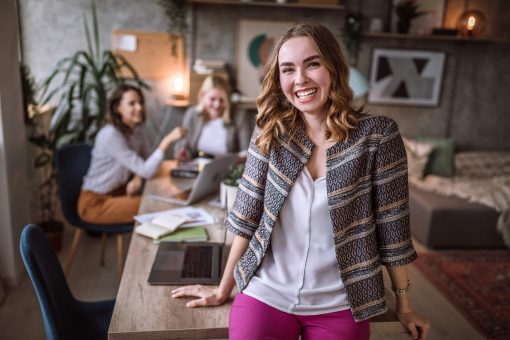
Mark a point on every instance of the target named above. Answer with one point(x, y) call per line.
point(207, 182)
point(187, 263)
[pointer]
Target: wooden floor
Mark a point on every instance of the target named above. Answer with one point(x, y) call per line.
point(20, 316)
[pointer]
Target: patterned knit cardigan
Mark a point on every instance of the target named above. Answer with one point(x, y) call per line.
point(366, 180)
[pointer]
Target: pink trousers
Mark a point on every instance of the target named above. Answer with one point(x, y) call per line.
point(252, 319)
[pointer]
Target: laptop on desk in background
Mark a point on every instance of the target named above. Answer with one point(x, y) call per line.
point(207, 182)
point(183, 263)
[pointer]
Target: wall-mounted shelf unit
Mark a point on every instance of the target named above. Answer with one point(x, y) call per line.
point(384, 35)
point(270, 4)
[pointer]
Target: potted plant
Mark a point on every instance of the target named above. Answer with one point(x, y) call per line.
point(229, 185)
point(406, 11)
point(86, 79)
point(34, 116)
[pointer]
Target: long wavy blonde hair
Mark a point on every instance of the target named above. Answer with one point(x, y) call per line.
point(276, 115)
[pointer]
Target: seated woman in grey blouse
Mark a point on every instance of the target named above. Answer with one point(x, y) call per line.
point(213, 128)
point(121, 157)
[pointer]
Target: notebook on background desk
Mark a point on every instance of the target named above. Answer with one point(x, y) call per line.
point(207, 182)
point(187, 263)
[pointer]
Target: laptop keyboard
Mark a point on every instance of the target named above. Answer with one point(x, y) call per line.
point(197, 262)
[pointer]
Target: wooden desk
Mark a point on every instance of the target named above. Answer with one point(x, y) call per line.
point(143, 311)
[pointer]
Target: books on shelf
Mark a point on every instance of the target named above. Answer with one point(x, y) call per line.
point(160, 226)
point(194, 234)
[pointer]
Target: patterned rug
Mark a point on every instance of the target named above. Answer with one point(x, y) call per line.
point(477, 283)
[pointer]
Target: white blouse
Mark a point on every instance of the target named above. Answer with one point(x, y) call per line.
point(299, 274)
point(213, 138)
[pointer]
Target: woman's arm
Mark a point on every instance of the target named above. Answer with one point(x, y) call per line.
point(174, 135)
point(122, 152)
point(391, 212)
point(209, 296)
point(415, 324)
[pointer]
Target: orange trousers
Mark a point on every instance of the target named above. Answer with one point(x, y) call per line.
point(114, 207)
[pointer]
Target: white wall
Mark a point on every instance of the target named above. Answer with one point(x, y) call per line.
point(14, 208)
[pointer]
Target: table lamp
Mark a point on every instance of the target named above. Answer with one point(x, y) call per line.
point(471, 22)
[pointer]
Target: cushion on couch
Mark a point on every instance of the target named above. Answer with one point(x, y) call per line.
point(441, 160)
point(418, 154)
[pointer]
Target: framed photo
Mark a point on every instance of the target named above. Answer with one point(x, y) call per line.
point(255, 41)
point(407, 77)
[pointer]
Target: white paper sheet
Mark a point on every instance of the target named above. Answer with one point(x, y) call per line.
point(195, 216)
point(125, 42)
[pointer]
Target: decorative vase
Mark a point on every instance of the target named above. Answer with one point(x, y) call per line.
point(227, 195)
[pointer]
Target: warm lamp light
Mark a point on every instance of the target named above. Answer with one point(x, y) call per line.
point(471, 23)
point(177, 90)
point(357, 82)
point(177, 84)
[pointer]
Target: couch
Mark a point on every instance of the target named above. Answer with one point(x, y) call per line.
point(465, 204)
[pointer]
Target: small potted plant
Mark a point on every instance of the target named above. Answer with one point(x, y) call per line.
point(229, 185)
point(406, 11)
point(34, 118)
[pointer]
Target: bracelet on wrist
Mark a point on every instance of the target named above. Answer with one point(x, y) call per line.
point(401, 291)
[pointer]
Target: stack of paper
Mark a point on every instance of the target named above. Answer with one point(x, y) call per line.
point(194, 216)
point(160, 225)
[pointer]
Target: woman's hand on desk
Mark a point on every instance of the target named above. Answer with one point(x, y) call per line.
point(208, 296)
point(213, 296)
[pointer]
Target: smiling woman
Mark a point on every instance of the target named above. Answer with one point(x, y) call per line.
point(322, 204)
point(121, 158)
point(304, 79)
point(214, 127)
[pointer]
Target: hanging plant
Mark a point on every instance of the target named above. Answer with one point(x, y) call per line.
point(177, 26)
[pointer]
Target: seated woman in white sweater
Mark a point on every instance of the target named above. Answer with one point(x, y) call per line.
point(121, 157)
point(213, 127)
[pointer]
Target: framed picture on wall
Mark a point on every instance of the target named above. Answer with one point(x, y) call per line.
point(406, 77)
point(255, 41)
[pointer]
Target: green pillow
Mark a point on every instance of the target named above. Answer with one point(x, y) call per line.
point(441, 160)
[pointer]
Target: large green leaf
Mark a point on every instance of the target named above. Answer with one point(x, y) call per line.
point(82, 83)
point(66, 139)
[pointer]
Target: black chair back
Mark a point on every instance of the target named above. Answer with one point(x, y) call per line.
point(72, 162)
point(48, 279)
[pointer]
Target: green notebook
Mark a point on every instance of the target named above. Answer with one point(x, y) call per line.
point(193, 234)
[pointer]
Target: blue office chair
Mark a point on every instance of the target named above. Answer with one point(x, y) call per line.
point(64, 316)
point(72, 162)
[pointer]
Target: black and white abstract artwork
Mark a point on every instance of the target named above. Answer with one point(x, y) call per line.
point(406, 77)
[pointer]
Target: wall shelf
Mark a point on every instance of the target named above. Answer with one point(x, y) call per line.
point(270, 4)
point(384, 35)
